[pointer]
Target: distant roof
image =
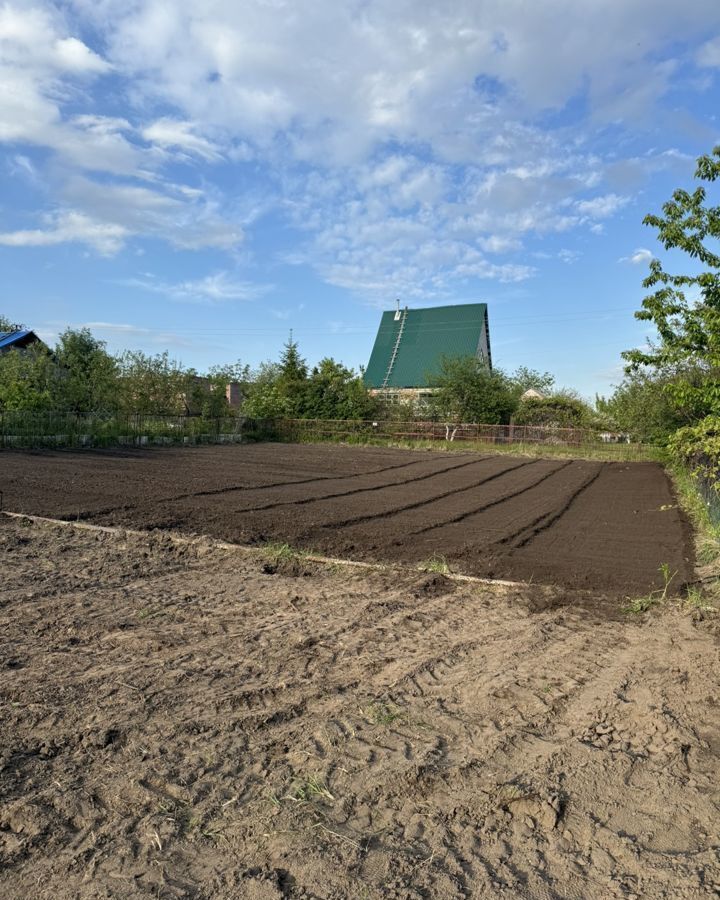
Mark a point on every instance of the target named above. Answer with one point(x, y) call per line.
point(409, 347)
point(532, 393)
point(11, 339)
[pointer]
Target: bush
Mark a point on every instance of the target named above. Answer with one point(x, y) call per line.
point(558, 412)
point(699, 446)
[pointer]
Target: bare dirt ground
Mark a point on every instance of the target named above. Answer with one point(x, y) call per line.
point(180, 721)
point(575, 523)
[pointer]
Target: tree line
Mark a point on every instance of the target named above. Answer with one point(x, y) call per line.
point(79, 375)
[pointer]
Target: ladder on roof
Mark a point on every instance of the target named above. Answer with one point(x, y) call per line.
point(394, 354)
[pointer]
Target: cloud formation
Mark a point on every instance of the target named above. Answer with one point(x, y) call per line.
point(413, 147)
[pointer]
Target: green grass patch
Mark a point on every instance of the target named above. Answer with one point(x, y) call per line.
point(639, 605)
point(707, 533)
point(437, 564)
point(381, 713)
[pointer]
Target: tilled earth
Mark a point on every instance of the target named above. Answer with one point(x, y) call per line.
point(183, 721)
point(574, 523)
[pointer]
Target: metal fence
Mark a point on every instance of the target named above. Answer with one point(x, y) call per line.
point(708, 486)
point(72, 430)
point(329, 429)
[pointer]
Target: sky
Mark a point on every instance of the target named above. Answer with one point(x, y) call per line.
point(203, 176)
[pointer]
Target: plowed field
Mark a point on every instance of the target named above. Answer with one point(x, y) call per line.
point(599, 525)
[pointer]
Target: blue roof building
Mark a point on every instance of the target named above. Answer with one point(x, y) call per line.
point(17, 340)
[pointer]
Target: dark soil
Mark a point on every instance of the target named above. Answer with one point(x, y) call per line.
point(579, 524)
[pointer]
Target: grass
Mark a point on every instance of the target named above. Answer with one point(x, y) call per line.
point(381, 713)
point(639, 605)
point(698, 601)
point(436, 563)
point(707, 532)
point(282, 552)
point(307, 789)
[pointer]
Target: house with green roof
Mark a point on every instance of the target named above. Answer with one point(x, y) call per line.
point(411, 343)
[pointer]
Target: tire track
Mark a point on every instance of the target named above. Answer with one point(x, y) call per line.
point(368, 517)
point(462, 516)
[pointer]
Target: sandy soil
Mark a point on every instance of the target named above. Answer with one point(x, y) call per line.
point(607, 526)
point(181, 721)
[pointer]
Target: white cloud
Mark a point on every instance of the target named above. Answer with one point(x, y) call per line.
point(215, 288)
point(602, 207)
point(70, 226)
point(405, 141)
point(74, 56)
point(174, 134)
point(641, 256)
point(709, 53)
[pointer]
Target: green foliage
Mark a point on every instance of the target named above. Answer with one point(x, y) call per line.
point(335, 392)
point(86, 373)
point(27, 379)
point(153, 385)
point(8, 325)
point(699, 445)
point(466, 391)
point(558, 411)
point(688, 329)
point(286, 390)
point(292, 376)
point(527, 379)
point(641, 405)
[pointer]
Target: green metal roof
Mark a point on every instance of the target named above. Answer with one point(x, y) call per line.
point(425, 336)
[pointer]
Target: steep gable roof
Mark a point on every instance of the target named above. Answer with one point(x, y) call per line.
point(409, 348)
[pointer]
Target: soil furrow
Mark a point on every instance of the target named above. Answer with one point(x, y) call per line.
point(492, 503)
point(427, 501)
point(545, 520)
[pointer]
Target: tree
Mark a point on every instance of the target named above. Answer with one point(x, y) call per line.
point(265, 399)
point(8, 325)
point(641, 405)
point(27, 379)
point(527, 379)
point(688, 328)
point(292, 373)
point(153, 385)
point(87, 373)
point(335, 392)
point(466, 391)
point(558, 411)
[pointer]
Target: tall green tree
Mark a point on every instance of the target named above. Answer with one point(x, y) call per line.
point(153, 385)
point(27, 379)
point(292, 378)
point(688, 326)
point(466, 391)
point(86, 373)
point(333, 391)
point(527, 379)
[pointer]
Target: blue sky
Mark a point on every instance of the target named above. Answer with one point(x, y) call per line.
point(204, 176)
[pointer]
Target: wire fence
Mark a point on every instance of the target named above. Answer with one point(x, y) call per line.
point(708, 486)
point(73, 430)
